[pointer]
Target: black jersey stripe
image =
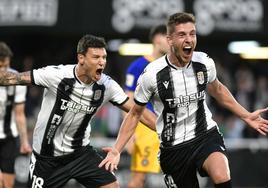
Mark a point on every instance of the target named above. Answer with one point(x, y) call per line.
point(96, 101)
point(165, 88)
point(64, 90)
point(32, 77)
point(201, 79)
point(10, 90)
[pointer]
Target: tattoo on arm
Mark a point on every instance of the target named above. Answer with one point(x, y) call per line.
point(13, 78)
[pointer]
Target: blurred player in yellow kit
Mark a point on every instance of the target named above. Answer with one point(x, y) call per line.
point(144, 145)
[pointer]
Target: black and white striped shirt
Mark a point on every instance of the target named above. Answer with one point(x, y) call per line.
point(10, 96)
point(178, 96)
point(67, 108)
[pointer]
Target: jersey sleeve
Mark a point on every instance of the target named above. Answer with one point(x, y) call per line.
point(20, 95)
point(212, 73)
point(45, 76)
point(116, 94)
point(144, 89)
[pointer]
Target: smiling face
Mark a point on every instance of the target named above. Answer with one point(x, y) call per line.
point(91, 65)
point(182, 42)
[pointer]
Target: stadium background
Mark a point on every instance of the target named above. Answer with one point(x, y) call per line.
point(45, 32)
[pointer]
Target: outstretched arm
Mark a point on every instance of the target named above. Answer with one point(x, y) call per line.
point(14, 78)
point(226, 99)
point(126, 131)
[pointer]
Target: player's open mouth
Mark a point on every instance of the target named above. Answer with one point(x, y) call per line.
point(99, 71)
point(187, 50)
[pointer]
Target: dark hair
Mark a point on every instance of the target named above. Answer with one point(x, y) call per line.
point(90, 41)
point(159, 29)
point(179, 18)
point(5, 51)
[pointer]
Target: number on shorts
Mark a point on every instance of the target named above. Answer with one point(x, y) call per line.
point(37, 182)
point(170, 182)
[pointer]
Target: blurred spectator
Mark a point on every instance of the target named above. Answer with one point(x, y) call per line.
point(261, 92)
point(234, 127)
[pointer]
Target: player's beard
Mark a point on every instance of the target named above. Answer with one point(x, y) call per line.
point(175, 51)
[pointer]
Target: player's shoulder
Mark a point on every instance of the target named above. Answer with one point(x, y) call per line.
point(63, 70)
point(157, 65)
point(105, 80)
point(201, 57)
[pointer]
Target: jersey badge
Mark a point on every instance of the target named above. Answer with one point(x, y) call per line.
point(200, 77)
point(97, 95)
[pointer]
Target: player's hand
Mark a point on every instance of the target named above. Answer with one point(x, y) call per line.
point(257, 122)
point(25, 148)
point(111, 160)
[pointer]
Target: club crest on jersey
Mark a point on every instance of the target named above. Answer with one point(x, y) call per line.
point(200, 77)
point(97, 95)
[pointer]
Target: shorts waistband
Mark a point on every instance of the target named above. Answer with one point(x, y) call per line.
point(211, 131)
point(70, 156)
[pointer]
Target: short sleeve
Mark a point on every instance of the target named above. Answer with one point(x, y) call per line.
point(45, 76)
point(116, 94)
point(212, 73)
point(20, 95)
point(144, 89)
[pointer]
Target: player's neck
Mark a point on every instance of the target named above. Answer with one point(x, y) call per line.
point(177, 61)
point(82, 76)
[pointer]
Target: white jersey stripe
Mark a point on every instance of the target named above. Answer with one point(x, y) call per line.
point(184, 108)
point(63, 123)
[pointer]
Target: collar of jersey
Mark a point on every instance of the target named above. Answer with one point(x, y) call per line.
point(79, 81)
point(176, 67)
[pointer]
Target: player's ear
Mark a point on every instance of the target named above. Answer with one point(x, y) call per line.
point(80, 58)
point(169, 40)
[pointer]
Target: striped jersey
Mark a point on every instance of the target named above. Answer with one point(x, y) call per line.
point(178, 97)
point(10, 96)
point(63, 123)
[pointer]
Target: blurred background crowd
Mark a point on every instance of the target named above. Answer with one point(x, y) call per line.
point(45, 32)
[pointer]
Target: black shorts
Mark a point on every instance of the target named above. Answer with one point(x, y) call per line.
point(82, 165)
point(9, 150)
point(180, 163)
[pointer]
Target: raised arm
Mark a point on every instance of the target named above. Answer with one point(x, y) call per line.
point(15, 78)
point(224, 97)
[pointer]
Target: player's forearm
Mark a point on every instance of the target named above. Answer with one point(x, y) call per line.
point(226, 99)
point(22, 129)
point(126, 131)
point(13, 78)
point(149, 119)
point(7, 78)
